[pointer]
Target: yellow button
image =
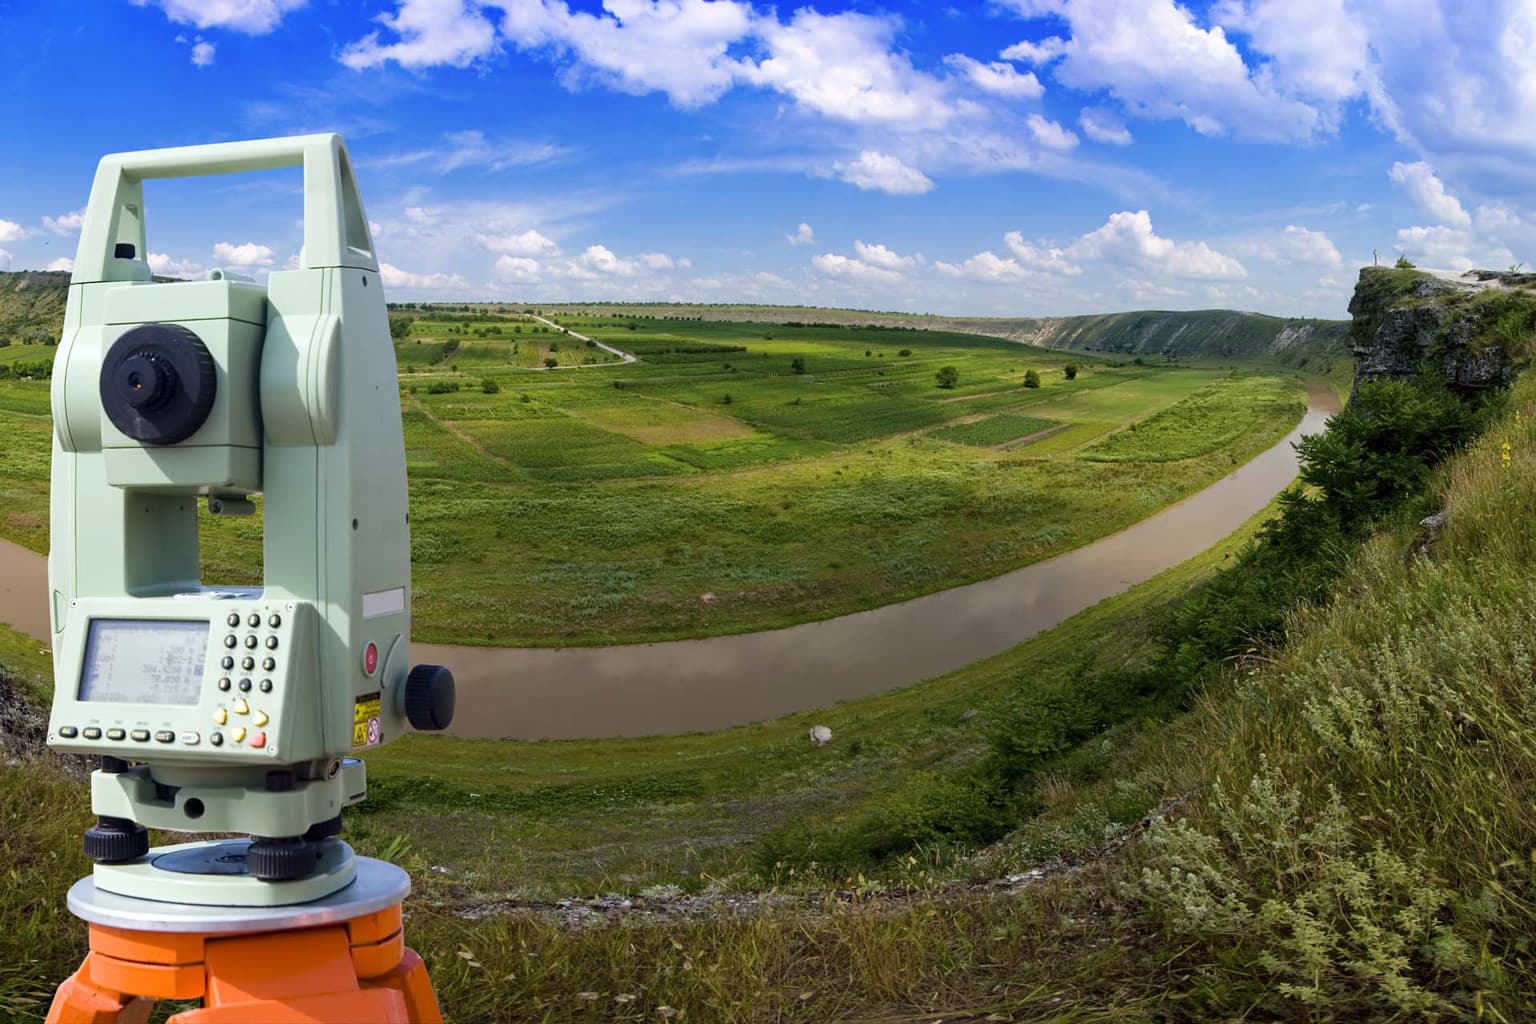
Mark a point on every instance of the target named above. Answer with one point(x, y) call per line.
point(261, 718)
point(221, 716)
point(239, 734)
point(241, 707)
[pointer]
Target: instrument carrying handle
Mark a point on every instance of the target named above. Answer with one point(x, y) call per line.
point(335, 227)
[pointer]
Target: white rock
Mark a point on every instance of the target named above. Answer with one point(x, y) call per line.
point(821, 735)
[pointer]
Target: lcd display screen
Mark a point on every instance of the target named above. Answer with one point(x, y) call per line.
point(144, 661)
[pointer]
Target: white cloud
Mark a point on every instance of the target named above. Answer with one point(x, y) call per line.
point(660, 260)
point(1050, 134)
point(1311, 47)
point(202, 53)
point(677, 47)
point(803, 235)
point(880, 256)
point(162, 264)
point(1043, 52)
point(1296, 245)
point(599, 259)
point(65, 223)
point(986, 267)
point(254, 17)
point(10, 231)
point(522, 243)
point(1154, 59)
point(1000, 79)
point(1428, 194)
point(470, 148)
point(880, 172)
point(1127, 239)
point(842, 66)
point(517, 268)
point(1043, 258)
point(394, 277)
point(1103, 125)
point(834, 265)
point(1437, 246)
point(429, 33)
point(248, 255)
point(62, 263)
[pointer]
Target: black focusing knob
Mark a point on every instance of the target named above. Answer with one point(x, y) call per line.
point(429, 697)
point(157, 383)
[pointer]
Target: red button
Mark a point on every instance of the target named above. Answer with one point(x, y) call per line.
point(258, 739)
point(370, 659)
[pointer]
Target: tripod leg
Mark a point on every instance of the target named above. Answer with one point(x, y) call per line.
point(79, 1001)
point(409, 978)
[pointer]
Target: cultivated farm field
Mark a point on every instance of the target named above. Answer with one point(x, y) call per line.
point(739, 476)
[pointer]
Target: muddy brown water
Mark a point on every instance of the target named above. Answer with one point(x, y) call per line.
point(717, 682)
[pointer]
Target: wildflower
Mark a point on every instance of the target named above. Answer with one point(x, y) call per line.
point(1504, 450)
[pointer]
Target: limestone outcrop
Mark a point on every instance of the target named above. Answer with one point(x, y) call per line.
point(1473, 329)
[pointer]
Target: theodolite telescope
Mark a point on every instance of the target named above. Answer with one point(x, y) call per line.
point(213, 708)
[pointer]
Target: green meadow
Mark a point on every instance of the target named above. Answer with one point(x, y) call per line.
point(738, 476)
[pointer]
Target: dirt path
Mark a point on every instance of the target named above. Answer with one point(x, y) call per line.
point(623, 356)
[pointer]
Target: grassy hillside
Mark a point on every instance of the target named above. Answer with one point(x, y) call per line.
point(32, 306)
point(1337, 829)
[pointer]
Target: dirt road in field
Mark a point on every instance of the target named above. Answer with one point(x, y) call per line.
point(623, 356)
point(714, 683)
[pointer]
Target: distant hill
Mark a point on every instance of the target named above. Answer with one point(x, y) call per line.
point(1300, 342)
point(32, 305)
point(1203, 332)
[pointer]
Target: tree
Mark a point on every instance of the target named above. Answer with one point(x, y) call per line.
point(797, 364)
point(551, 362)
point(1071, 371)
point(490, 387)
point(948, 377)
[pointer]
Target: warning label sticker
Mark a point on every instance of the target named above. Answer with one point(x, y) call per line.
point(365, 720)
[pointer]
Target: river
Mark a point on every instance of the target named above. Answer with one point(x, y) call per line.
point(717, 682)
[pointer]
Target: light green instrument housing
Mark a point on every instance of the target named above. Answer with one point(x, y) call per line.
point(210, 689)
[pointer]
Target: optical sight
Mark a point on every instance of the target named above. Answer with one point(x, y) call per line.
point(219, 708)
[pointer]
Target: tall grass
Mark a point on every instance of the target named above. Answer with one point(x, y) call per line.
point(1362, 844)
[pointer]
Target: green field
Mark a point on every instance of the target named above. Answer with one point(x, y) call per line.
point(788, 472)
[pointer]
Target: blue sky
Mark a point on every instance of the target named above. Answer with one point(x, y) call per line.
point(994, 157)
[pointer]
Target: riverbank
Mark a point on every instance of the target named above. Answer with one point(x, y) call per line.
point(719, 682)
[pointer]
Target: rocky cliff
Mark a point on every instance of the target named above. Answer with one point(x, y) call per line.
point(1474, 329)
point(1219, 333)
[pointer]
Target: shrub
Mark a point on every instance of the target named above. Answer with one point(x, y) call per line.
point(797, 364)
point(490, 387)
point(1403, 264)
point(550, 362)
point(1070, 370)
point(905, 352)
point(726, 399)
point(1031, 379)
point(947, 377)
